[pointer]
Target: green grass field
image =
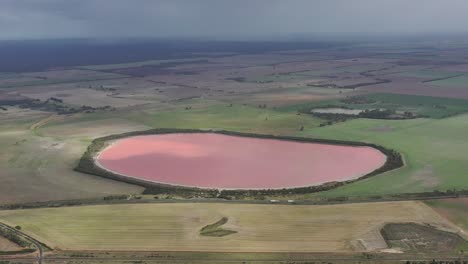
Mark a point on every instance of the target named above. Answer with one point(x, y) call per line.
point(456, 210)
point(223, 116)
point(434, 151)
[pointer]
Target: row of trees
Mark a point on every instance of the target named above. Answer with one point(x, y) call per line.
point(368, 113)
point(53, 104)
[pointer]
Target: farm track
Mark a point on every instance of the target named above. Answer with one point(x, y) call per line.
point(36, 243)
point(188, 260)
point(43, 122)
point(328, 258)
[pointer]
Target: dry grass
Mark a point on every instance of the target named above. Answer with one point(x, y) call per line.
point(6, 245)
point(260, 228)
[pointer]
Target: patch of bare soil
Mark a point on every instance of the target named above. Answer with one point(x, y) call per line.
point(7, 245)
point(425, 177)
point(44, 121)
point(411, 237)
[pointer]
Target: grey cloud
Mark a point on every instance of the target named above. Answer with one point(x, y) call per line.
point(226, 19)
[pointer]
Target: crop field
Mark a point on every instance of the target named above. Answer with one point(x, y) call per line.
point(259, 228)
point(58, 77)
point(286, 96)
point(456, 210)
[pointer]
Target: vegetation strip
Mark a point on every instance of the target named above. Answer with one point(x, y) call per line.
point(87, 164)
point(215, 229)
point(443, 78)
point(128, 199)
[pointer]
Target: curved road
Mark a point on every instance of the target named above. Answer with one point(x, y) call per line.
point(28, 238)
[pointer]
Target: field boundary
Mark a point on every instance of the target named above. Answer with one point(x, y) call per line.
point(88, 164)
point(29, 243)
point(128, 199)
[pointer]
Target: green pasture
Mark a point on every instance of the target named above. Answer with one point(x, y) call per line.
point(455, 209)
point(224, 116)
point(434, 152)
point(434, 149)
point(433, 107)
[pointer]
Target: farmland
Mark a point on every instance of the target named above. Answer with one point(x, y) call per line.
point(453, 209)
point(408, 99)
point(256, 108)
point(439, 165)
point(260, 228)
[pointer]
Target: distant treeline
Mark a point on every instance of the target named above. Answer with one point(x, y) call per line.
point(350, 86)
point(52, 104)
point(220, 196)
point(388, 114)
point(87, 165)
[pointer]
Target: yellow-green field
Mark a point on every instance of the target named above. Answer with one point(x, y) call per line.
point(260, 228)
point(39, 168)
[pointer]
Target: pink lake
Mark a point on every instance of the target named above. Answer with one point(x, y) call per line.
point(210, 160)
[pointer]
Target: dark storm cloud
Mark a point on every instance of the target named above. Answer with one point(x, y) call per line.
point(226, 18)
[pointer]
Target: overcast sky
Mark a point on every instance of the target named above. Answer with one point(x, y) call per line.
point(226, 19)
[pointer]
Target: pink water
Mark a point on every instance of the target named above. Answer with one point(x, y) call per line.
point(231, 162)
